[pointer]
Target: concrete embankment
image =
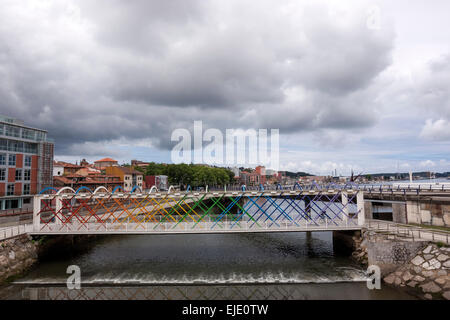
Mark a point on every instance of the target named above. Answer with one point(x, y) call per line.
point(419, 267)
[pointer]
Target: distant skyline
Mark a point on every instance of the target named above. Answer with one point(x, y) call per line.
point(359, 85)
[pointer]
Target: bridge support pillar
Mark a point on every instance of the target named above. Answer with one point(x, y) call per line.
point(368, 209)
point(399, 212)
point(360, 208)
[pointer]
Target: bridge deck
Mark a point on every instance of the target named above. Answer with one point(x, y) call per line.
point(194, 228)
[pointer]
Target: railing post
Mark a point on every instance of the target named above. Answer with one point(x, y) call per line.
point(58, 210)
point(360, 208)
point(36, 211)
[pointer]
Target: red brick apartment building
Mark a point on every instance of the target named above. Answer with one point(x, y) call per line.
point(26, 163)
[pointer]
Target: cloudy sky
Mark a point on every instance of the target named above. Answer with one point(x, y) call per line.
point(349, 84)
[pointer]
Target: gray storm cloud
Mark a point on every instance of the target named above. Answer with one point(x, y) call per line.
point(96, 71)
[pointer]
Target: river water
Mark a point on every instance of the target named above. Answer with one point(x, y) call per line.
point(203, 266)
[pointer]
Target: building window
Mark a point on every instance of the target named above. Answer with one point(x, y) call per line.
point(2, 174)
point(12, 131)
point(2, 159)
point(28, 134)
point(40, 136)
point(18, 174)
point(29, 147)
point(26, 188)
point(26, 174)
point(10, 190)
point(12, 160)
point(16, 146)
point(27, 161)
point(3, 144)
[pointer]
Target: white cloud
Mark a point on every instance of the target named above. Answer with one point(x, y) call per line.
point(438, 130)
point(427, 164)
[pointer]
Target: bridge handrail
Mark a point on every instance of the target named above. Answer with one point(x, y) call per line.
point(117, 187)
point(410, 226)
point(65, 188)
point(136, 187)
point(395, 229)
point(49, 188)
point(99, 188)
point(153, 188)
point(381, 188)
point(83, 188)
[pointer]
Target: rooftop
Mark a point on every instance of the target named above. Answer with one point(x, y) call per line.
point(106, 160)
point(66, 164)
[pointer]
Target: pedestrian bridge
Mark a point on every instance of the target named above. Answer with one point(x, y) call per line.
point(67, 211)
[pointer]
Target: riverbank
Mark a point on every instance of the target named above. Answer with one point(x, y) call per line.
point(426, 275)
point(17, 255)
point(419, 268)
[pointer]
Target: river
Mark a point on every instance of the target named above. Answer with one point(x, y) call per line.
point(203, 266)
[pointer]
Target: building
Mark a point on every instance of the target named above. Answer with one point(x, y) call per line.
point(26, 163)
point(89, 171)
point(61, 168)
point(261, 170)
point(141, 164)
point(250, 178)
point(58, 169)
point(76, 181)
point(161, 182)
point(104, 163)
point(130, 177)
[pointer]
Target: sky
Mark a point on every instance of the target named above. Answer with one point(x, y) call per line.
point(362, 85)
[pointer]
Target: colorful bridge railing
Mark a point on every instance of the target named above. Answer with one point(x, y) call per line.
point(69, 212)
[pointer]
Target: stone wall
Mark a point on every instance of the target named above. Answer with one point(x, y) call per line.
point(427, 273)
point(389, 252)
point(433, 213)
point(360, 249)
point(17, 255)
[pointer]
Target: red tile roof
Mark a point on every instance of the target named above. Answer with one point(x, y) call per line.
point(106, 160)
point(66, 164)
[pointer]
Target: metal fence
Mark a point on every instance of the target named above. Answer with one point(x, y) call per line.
point(14, 231)
point(409, 231)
